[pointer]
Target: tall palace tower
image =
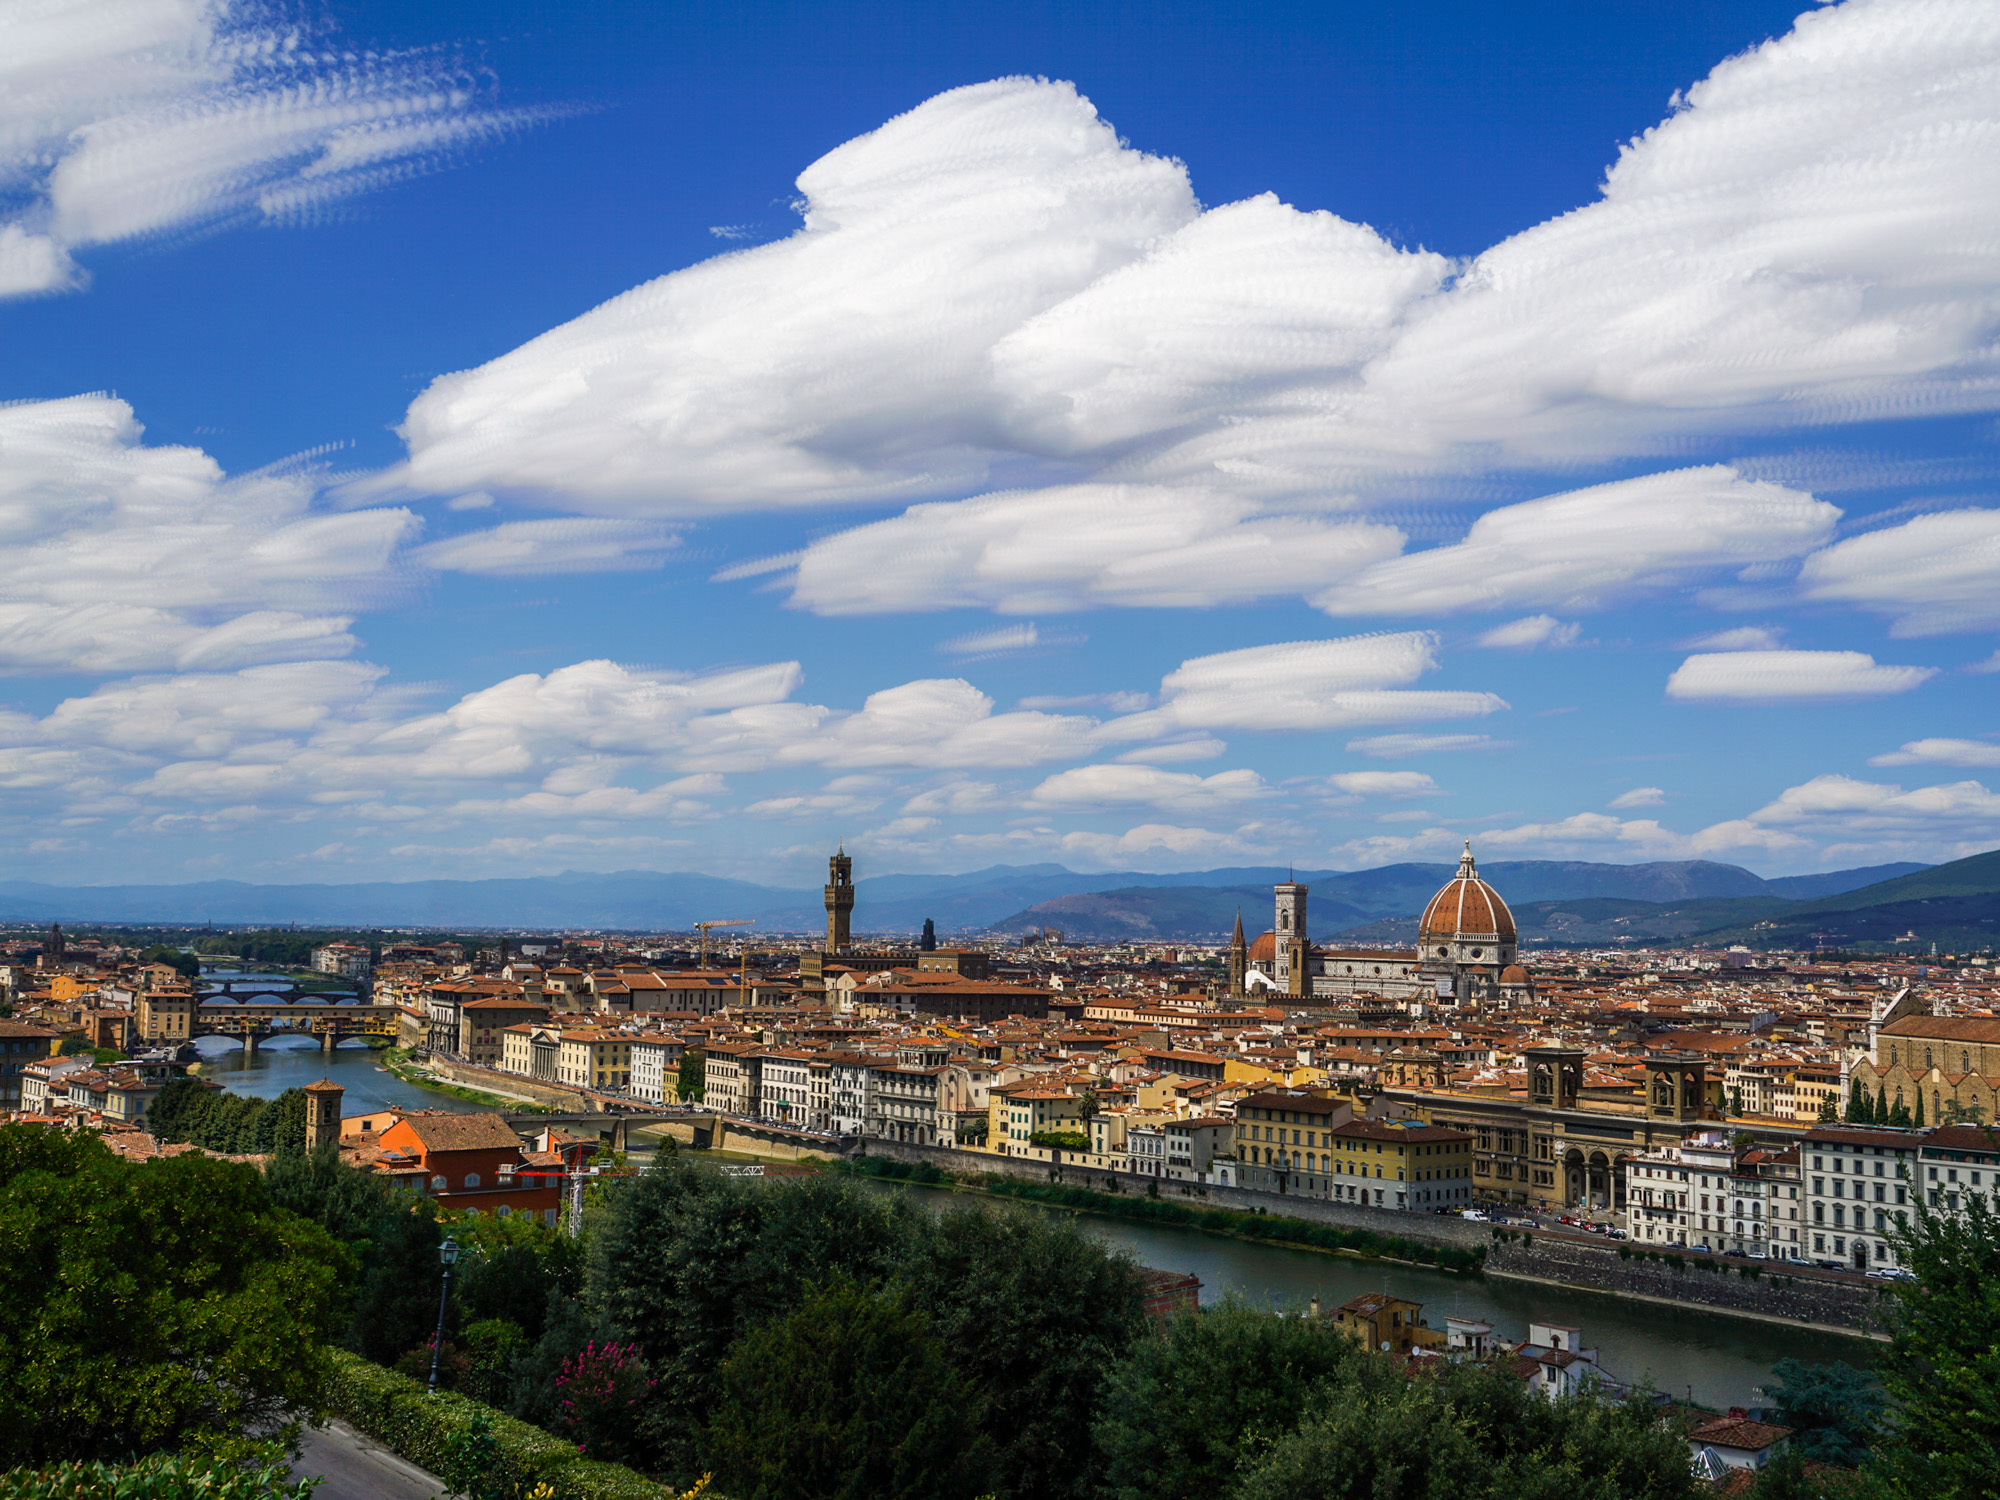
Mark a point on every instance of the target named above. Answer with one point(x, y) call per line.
point(839, 900)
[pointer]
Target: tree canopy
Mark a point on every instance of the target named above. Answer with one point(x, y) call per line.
point(154, 1306)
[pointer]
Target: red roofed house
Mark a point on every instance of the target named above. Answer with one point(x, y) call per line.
point(470, 1162)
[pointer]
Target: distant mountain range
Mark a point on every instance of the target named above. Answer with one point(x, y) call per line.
point(1584, 902)
point(1554, 901)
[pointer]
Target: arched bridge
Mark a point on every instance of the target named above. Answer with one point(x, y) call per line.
point(252, 1021)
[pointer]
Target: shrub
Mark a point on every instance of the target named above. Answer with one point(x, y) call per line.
point(598, 1395)
point(438, 1432)
point(165, 1476)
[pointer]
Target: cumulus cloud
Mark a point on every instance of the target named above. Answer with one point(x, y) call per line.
point(1941, 752)
point(121, 557)
point(1933, 575)
point(1639, 796)
point(1119, 785)
point(1528, 633)
point(994, 278)
point(1174, 752)
point(850, 360)
point(1638, 837)
point(1587, 548)
point(122, 119)
point(1789, 676)
point(1078, 546)
point(1333, 684)
point(1961, 817)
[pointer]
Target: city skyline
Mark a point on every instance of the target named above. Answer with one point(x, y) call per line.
point(486, 443)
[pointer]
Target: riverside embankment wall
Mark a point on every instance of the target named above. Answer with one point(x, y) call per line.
point(1801, 1301)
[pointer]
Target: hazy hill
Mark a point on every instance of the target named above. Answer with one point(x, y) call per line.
point(1955, 905)
point(1551, 897)
point(1383, 905)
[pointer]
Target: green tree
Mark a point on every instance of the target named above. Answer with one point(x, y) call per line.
point(148, 1307)
point(1828, 1112)
point(1832, 1409)
point(1231, 1376)
point(1468, 1432)
point(1920, 1109)
point(1881, 1112)
point(688, 1083)
point(1859, 1111)
point(160, 953)
point(849, 1397)
point(684, 1261)
point(1942, 1368)
point(1037, 1312)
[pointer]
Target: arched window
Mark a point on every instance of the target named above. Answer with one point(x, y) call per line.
point(472, 1179)
point(1937, 1109)
point(438, 1184)
point(1929, 1059)
point(1892, 1057)
point(1965, 1062)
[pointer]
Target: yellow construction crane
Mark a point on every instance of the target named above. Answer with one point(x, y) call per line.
point(702, 928)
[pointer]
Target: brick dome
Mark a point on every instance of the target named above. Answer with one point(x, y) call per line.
point(1466, 908)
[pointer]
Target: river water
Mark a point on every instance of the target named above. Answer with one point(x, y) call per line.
point(292, 1062)
point(1683, 1352)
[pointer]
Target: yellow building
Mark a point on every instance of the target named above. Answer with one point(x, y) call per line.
point(74, 986)
point(1400, 1164)
point(1389, 1325)
point(166, 1015)
point(1025, 1110)
point(591, 1057)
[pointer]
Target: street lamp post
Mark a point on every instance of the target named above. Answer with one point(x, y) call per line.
point(447, 1257)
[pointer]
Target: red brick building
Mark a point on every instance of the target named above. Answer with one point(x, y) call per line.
point(467, 1162)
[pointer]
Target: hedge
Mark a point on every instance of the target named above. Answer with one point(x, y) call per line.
point(165, 1476)
point(397, 1412)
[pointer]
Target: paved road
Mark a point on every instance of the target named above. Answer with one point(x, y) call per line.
point(355, 1467)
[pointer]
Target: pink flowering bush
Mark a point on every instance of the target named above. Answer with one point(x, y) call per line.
point(598, 1396)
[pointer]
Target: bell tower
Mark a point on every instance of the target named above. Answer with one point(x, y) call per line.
point(839, 900)
point(1288, 927)
point(1239, 960)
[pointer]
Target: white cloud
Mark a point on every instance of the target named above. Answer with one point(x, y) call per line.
point(1118, 703)
point(564, 545)
point(1121, 785)
point(121, 119)
point(1935, 575)
point(115, 556)
point(1385, 783)
point(1174, 752)
point(1528, 633)
point(1408, 746)
point(993, 281)
point(1639, 796)
point(1078, 546)
point(1742, 638)
point(849, 360)
point(1941, 752)
point(992, 642)
point(1957, 819)
point(1332, 684)
point(1789, 676)
point(1587, 548)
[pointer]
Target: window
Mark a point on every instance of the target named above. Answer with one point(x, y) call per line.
point(472, 1179)
point(438, 1184)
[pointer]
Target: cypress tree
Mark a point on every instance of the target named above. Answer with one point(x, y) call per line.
point(1920, 1109)
point(1882, 1104)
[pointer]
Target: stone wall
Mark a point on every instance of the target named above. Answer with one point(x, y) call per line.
point(1429, 1229)
point(1775, 1297)
point(1807, 1301)
point(492, 1080)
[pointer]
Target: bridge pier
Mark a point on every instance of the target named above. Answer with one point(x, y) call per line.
point(249, 1042)
point(328, 1040)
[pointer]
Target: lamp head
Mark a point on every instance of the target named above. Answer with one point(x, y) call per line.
point(448, 1252)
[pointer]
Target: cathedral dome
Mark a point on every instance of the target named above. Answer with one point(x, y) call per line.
point(1467, 909)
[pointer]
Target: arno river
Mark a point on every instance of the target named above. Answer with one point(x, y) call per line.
point(1679, 1350)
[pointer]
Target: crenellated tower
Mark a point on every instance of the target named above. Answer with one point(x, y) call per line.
point(839, 900)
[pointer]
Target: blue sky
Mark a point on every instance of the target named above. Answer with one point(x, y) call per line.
point(454, 440)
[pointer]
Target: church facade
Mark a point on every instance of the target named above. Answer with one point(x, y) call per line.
point(1466, 952)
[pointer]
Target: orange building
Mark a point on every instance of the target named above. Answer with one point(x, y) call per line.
point(467, 1162)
